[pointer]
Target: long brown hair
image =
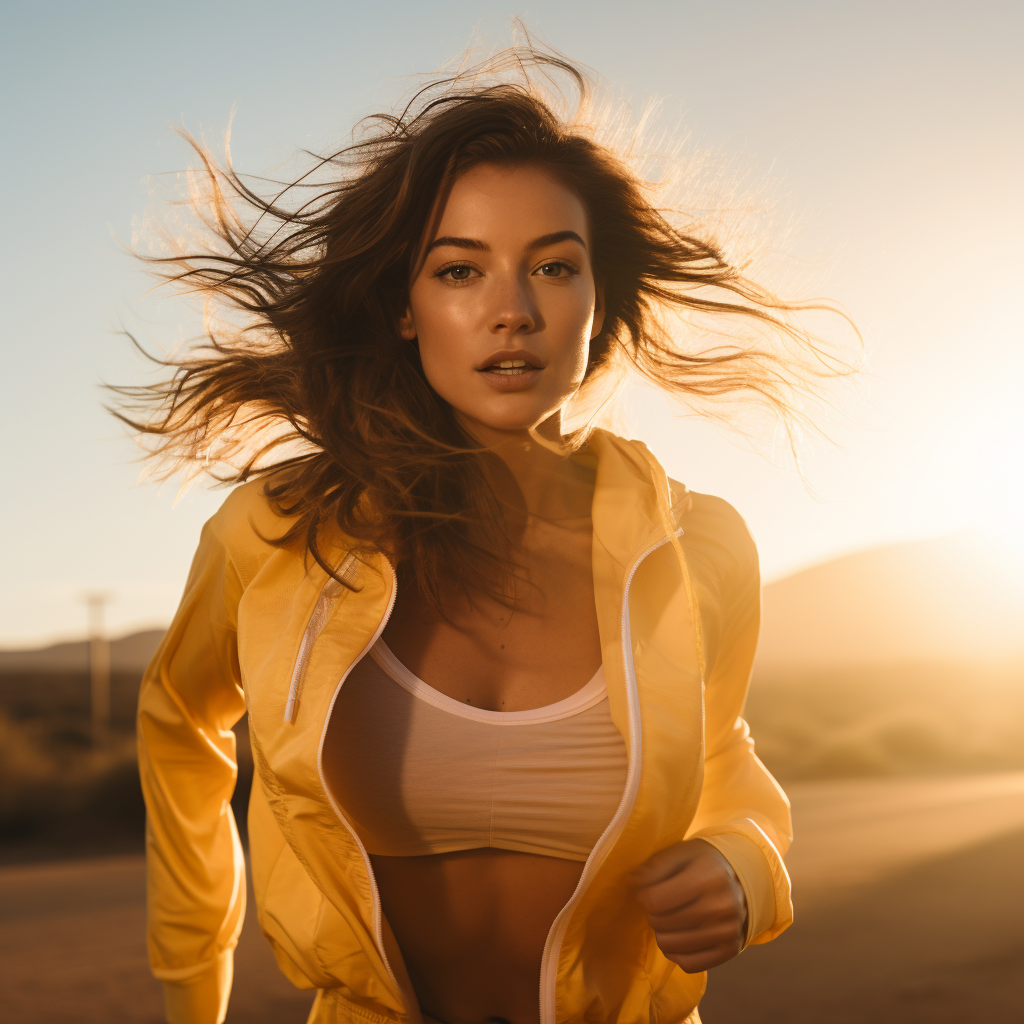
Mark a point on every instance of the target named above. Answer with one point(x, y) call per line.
point(322, 280)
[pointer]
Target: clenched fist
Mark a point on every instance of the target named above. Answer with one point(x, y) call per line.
point(694, 903)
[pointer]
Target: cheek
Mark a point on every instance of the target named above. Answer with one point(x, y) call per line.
point(444, 337)
point(440, 370)
point(444, 318)
point(570, 321)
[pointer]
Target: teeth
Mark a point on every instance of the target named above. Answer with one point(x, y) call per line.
point(510, 367)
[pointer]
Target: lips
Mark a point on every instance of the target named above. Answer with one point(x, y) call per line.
point(508, 363)
point(511, 369)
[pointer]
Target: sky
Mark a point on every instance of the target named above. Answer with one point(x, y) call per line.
point(887, 137)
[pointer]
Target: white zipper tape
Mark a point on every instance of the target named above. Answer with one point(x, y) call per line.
point(553, 945)
point(325, 602)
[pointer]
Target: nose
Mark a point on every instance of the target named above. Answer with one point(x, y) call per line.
point(514, 311)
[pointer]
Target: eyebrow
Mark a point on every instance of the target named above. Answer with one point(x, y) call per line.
point(455, 242)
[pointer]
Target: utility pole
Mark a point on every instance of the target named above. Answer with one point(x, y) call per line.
point(99, 668)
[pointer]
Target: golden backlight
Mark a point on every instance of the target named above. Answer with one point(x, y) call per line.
point(979, 458)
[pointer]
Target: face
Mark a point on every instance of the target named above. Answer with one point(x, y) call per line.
point(504, 305)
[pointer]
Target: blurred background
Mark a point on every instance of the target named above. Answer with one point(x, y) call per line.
point(883, 142)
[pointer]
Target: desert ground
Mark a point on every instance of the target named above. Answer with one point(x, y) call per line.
point(908, 897)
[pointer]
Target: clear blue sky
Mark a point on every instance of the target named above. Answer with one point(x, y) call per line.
point(891, 133)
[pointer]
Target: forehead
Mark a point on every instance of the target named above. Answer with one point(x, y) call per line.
point(511, 205)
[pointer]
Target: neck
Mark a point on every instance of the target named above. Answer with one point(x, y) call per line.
point(534, 478)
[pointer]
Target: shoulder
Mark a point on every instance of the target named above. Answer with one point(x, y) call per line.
point(246, 525)
point(723, 564)
point(718, 524)
point(719, 546)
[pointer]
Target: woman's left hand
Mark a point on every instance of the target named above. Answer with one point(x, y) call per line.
point(694, 903)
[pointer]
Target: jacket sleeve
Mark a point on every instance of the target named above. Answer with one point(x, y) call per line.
point(743, 811)
point(189, 701)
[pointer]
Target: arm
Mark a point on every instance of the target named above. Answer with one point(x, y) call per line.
point(189, 701)
point(724, 886)
point(742, 812)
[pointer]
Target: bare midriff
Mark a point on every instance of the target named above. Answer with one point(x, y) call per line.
point(472, 926)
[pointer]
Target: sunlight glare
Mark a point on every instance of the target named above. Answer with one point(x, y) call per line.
point(980, 456)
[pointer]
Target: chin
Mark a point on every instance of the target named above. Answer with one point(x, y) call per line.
point(507, 420)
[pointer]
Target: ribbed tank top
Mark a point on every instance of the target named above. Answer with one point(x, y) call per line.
point(419, 773)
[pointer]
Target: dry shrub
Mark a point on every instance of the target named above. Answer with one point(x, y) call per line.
point(53, 778)
point(890, 720)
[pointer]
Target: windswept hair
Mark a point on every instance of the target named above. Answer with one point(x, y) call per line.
point(321, 283)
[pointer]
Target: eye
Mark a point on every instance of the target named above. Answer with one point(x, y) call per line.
point(556, 269)
point(456, 272)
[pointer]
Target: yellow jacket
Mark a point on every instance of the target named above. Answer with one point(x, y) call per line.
point(263, 629)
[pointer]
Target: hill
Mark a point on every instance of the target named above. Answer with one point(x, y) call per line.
point(130, 653)
point(901, 659)
point(951, 599)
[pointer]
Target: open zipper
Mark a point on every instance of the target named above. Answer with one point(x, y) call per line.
point(556, 933)
point(553, 944)
point(317, 621)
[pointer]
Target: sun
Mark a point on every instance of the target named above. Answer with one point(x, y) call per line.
point(982, 454)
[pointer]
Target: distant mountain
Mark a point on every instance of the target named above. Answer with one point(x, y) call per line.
point(952, 599)
point(128, 654)
point(956, 598)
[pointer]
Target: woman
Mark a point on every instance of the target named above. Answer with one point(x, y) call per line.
point(493, 664)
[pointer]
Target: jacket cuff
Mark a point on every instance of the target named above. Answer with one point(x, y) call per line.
point(201, 998)
point(755, 876)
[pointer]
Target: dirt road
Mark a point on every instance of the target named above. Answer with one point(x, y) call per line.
point(909, 898)
point(909, 895)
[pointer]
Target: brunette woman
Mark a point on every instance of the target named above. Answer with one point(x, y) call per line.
point(494, 663)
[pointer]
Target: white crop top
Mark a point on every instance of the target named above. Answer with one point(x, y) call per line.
point(419, 773)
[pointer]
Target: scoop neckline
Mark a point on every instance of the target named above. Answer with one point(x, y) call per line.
point(591, 693)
